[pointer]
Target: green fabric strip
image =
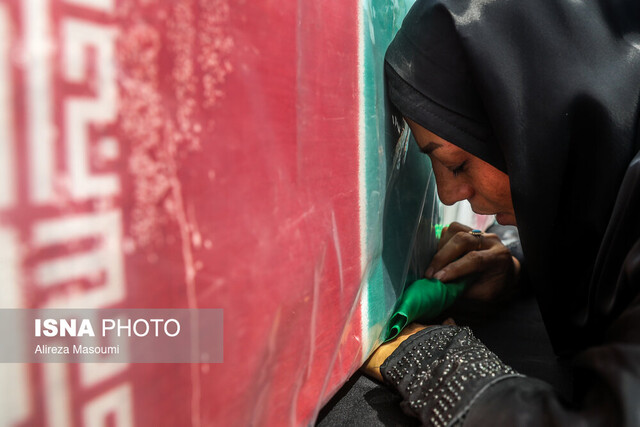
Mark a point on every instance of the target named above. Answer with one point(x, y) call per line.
point(423, 299)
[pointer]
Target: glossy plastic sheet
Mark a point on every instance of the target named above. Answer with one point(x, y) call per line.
point(205, 154)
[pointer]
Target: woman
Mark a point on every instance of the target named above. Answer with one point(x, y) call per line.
point(530, 111)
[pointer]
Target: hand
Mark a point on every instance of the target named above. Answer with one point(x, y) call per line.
point(461, 254)
point(372, 366)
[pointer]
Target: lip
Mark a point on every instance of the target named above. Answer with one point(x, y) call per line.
point(483, 213)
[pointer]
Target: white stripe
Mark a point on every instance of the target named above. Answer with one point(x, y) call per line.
point(15, 404)
point(40, 132)
point(7, 170)
point(362, 188)
point(56, 392)
point(103, 5)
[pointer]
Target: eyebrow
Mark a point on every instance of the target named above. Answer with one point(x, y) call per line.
point(430, 147)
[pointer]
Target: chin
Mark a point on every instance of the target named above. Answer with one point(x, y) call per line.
point(506, 219)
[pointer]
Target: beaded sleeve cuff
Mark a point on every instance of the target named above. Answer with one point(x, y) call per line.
point(440, 371)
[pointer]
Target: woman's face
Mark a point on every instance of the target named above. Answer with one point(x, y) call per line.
point(460, 175)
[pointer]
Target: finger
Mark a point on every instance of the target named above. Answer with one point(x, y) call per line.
point(444, 237)
point(461, 243)
point(449, 321)
point(474, 262)
point(471, 242)
point(380, 355)
point(450, 231)
point(457, 227)
point(484, 241)
point(490, 239)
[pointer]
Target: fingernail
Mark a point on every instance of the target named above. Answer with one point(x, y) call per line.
point(439, 275)
point(429, 273)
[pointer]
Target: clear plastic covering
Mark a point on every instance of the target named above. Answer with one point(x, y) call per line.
point(206, 154)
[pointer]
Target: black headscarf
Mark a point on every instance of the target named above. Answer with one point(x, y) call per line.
point(547, 91)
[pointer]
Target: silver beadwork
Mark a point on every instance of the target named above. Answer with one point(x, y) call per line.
point(443, 371)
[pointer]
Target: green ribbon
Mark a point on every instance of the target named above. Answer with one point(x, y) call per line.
point(423, 299)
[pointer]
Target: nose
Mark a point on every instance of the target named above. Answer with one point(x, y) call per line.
point(451, 191)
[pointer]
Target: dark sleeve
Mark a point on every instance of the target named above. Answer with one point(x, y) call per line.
point(606, 392)
point(446, 376)
point(441, 371)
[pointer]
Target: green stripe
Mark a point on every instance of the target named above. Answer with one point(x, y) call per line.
point(397, 195)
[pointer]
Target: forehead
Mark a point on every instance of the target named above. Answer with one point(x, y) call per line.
point(429, 142)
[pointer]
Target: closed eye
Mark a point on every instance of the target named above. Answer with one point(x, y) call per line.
point(459, 169)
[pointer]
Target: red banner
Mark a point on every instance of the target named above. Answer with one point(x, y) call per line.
point(183, 154)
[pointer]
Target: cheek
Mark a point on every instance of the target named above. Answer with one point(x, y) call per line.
point(498, 190)
point(444, 179)
point(451, 189)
